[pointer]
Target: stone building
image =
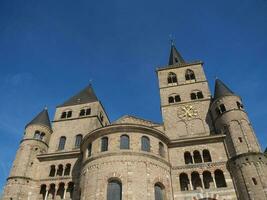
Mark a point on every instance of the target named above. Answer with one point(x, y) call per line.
point(205, 148)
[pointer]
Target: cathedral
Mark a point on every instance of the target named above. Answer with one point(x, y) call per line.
point(204, 149)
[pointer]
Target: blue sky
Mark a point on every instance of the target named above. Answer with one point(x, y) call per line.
point(50, 49)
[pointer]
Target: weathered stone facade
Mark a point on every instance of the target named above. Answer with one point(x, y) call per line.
point(204, 149)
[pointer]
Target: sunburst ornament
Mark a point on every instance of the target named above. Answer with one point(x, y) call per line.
point(187, 112)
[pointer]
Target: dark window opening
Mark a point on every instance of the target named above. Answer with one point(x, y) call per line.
point(62, 142)
point(188, 158)
point(159, 191)
point(171, 100)
point(88, 111)
point(161, 149)
point(219, 179)
point(63, 115)
point(184, 182)
point(196, 181)
point(124, 142)
point(52, 171)
point(193, 96)
point(177, 98)
point(69, 114)
point(189, 75)
point(197, 157)
point(254, 181)
point(114, 190)
point(239, 105)
point(206, 155)
point(60, 170)
point(67, 170)
point(240, 139)
point(104, 144)
point(145, 144)
point(89, 149)
point(200, 95)
point(78, 140)
point(222, 108)
point(172, 78)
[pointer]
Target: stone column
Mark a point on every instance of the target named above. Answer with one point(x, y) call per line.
point(190, 183)
point(65, 191)
point(202, 181)
point(46, 194)
point(214, 182)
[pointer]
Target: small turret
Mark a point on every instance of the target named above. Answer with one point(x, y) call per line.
point(245, 156)
point(24, 170)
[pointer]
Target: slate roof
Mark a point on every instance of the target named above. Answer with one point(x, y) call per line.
point(175, 56)
point(221, 90)
point(41, 119)
point(87, 95)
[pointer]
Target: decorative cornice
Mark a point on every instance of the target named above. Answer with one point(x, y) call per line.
point(196, 140)
point(179, 65)
point(59, 155)
point(204, 166)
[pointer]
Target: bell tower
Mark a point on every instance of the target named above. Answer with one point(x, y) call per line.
point(185, 97)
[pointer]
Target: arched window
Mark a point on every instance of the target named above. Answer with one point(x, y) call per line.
point(207, 179)
point(104, 144)
point(171, 99)
point(60, 170)
point(197, 157)
point(62, 142)
point(89, 149)
point(172, 78)
point(70, 189)
point(206, 155)
point(82, 112)
point(52, 171)
point(124, 142)
point(78, 140)
point(184, 182)
point(42, 191)
point(254, 180)
point(63, 115)
point(196, 95)
point(88, 111)
point(37, 135)
point(67, 170)
point(60, 191)
point(42, 136)
point(114, 191)
point(196, 181)
point(188, 158)
point(189, 75)
point(219, 179)
point(145, 144)
point(69, 114)
point(161, 149)
point(222, 108)
point(159, 191)
point(177, 98)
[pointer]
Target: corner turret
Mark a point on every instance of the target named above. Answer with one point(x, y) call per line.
point(245, 156)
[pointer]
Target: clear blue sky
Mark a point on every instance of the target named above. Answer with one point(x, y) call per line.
point(51, 49)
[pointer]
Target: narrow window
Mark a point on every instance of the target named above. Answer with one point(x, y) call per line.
point(62, 142)
point(172, 78)
point(171, 99)
point(89, 149)
point(63, 115)
point(60, 170)
point(177, 98)
point(206, 155)
point(254, 181)
point(161, 149)
point(37, 135)
point(197, 157)
point(82, 112)
point(240, 139)
point(69, 114)
point(207, 180)
point(196, 181)
point(104, 144)
point(159, 191)
point(222, 108)
point(219, 179)
point(52, 171)
point(189, 75)
point(42, 136)
point(188, 158)
point(124, 142)
point(114, 190)
point(145, 144)
point(88, 111)
point(78, 140)
point(184, 182)
point(67, 170)
point(42, 191)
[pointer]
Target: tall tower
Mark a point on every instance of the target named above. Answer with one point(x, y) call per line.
point(247, 163)
point(185, 98)
point(21, 183)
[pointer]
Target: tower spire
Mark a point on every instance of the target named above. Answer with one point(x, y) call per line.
point(175, 56)
point(42, 119)
point(221, 89)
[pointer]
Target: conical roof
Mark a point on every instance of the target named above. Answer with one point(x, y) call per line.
point(175, 56)
point(221, 90)
point(41, 119)
point(87, 95)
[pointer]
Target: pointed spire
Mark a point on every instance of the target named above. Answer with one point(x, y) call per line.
point(87, 95)
point(41, 119)
point(175, 57)
point(221, 89)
